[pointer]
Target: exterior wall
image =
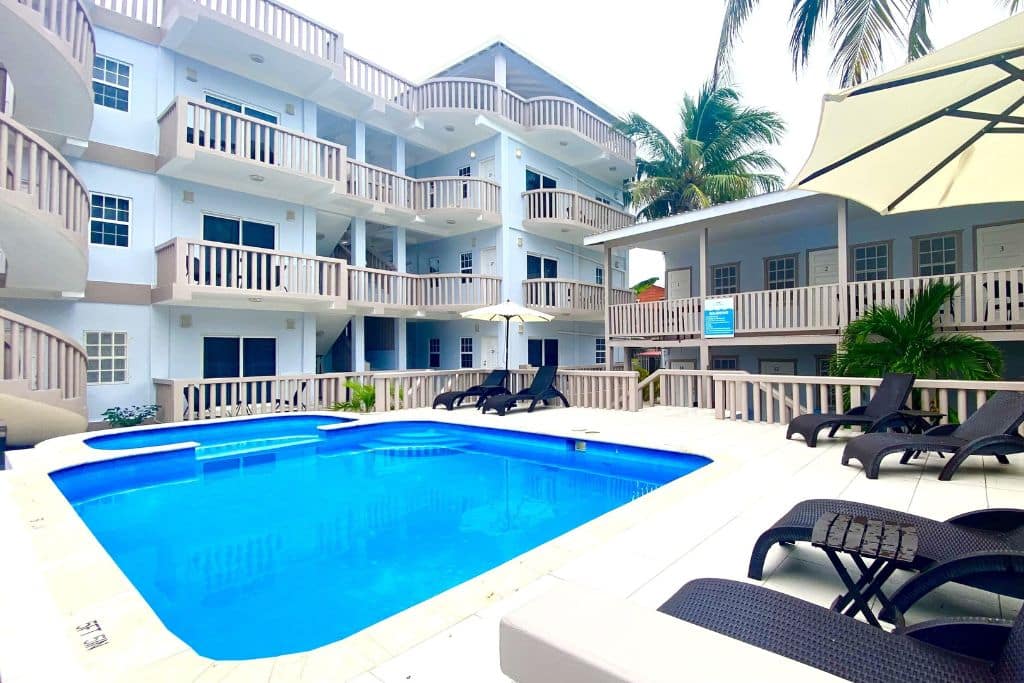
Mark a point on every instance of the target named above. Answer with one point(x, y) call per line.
point(152, 69)
point(449, 164)
point(449, 250)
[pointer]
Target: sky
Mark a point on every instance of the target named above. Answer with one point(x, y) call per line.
point(628, 57)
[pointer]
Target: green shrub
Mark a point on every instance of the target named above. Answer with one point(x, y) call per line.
point(362, 398)
point(129, 417)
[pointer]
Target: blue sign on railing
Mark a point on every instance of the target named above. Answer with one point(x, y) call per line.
point(719, 317)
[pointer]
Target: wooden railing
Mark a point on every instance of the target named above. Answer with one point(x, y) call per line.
point(32, 168)
point(370, 286)
point(209, 265)
point(204, 399)
point(379, 185)
point(780, 398)
point(68, 20)
point(788, 310)
point(283, 24)
point(203, 126)
point(677, 388)
point(670, 317)
point(41, 356)
point(457, 192)
point(569, 295)
point(563, 206)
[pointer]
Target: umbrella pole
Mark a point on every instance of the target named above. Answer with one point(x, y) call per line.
point(507, 323)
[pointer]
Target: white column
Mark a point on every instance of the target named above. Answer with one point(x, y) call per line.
point(703, 263)
point(358, 344)
point(401, 344)
point(398, 156)
point(500, 69)
point(357, 235)
point(398, 249)
point(360, 150)
point(607, 265)
point(842, 260)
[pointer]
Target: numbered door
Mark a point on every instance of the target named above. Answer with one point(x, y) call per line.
point(490, 358)
point(823, 267)
point(679, 282)
point(1001, 246)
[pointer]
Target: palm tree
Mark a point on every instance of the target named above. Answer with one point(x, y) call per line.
point(886, 340)
point(858, 29)
point(716, 156)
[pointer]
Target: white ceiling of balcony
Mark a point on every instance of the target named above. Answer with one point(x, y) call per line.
point(379, 144)
point(522, 76)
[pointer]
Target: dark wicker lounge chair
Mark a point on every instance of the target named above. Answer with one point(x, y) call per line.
point(984, 548)
point(492, 385)
point(541, 389)
point(880, 412)
point(992, 430)
point(939, 650)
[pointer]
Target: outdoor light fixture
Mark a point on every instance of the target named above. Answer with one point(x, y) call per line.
point(256, 178)
point(563, 143)
point(612, 168)
point(255, 299)
point(256, 59)
point(472, 154)
point(519, 153)
point(320, 236)
point(450, 221)
point(450, 128)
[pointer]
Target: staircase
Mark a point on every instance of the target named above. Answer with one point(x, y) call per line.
point(373, 260)
point(42, 381)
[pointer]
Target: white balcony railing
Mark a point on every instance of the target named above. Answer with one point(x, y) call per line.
point(32, 168)
point(374, 287)
point(379, 185)
point(457, 192)
point(566, 207)
point(215, 266)
point(283, 24)
point(670, 317)
point(569, 296)
point(68, 20)
point(41, 357)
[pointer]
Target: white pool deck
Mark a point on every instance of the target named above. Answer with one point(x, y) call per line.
point(54, 576)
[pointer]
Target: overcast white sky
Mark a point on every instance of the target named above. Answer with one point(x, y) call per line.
point(640, 56)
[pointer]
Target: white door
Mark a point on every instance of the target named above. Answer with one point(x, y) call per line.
point(777, 367)
point(679, 283)
point(489, 261)
point(489, 358)
point(486, 168)
point(1001, 246)
point(823, 267)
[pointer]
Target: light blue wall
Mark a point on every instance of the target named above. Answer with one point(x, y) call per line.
point(449, 251)
point(150, 66)
point(449, 164)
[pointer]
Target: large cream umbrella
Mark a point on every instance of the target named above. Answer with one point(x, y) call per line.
point(945, 130)
point(508, 312)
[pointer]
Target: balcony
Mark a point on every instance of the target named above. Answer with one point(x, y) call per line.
point(988, 303)
point(438, 295)
point(571, 298)
point(218, 147)
point(569, 215)
point(457, 204)
point(44, 216)
point(52, 66)
point(214, 274)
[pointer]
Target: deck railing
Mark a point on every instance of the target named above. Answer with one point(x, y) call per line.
point(216, 266)
point(677, 388)
point(68, 20)
point(41, 356)
point(669, 317)
point(374, 79)
point(32, 168)
point(564, 206)
point(150, 12)
point(205, 399)
point(379, 185)
point(281, 23)
point(787, 310)
point(213, 129)
point(559, 294)
point(457, 192)
point(780, 398)
point(374, 287)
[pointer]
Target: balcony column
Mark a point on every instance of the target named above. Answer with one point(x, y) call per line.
point(607, 265)
point(357, 234)
point(703, 263)
point(398, 249)
point(842, 260)
point(358, 344)
point(401, 344)
point(360, 146)
point(704, 349)
point(398, 156)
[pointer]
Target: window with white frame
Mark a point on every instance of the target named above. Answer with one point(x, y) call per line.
point(434, 353)
point(725, 363)
point(466, 263)
point(869, 262)
point(466, 352)
point(599, 351)
point(937, 255)
point(111, 81)
point(599, 275)
point(106, 357)
point(725, 279)
point(465, 172)
point(109, 220)
point(780, 272)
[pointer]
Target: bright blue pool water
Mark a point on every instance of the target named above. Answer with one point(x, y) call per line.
point(288, 548)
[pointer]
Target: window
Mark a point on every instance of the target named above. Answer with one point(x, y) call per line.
point(248, 110)
point(110, 82)
point(464, 172)
point(434, 355)
point(780, 272)
point(542, 352)
point(937, 254)
point(869, 261)
point(725, 279)
point(466, 352)
point(239, 357)
point(109, 220)
point(599, 351)
point(599, 275)
point(725, 363)
point(466, 262)
point(106, 357)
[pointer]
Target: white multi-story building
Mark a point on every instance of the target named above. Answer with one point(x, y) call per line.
point(197, 188)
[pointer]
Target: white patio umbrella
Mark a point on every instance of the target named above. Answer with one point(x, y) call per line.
point(508, 312)
point(944, 130)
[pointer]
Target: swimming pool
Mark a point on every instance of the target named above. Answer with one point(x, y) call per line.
point(288, 548)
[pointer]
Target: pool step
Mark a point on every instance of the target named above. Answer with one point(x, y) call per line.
point(253, 445)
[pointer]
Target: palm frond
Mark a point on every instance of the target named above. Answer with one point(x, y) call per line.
point(736, 14)
point(919, 43)
point(807, 16)
point(1012, 5)
point(859, 28)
